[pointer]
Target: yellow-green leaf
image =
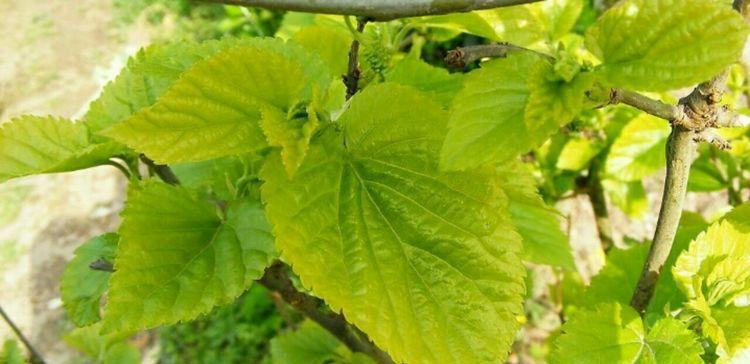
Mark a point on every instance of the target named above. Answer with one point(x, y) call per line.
point(660, 45)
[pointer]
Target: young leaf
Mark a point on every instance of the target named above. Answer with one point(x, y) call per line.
point(728, 327)
point(639, 150)
point(177, 259)
point(539, 225)
point(716, 266)
point(290, 132)
point(103, 348)
point(213, 110)
point(311, 344)
point(413, 256)
point(660, 45)
point(11, 353)
point(577, 153)
point(552, 102)
point(81, 287)
point(487, 115)
point(35, 144)
point(434, 81)
point(614, 333)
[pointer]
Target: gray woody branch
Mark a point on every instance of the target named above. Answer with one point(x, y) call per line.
point(377, 9)
point(696, 114)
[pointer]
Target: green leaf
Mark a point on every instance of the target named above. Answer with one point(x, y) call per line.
point(149, 74)
point(506, 108)
point(103, 348)
point(671, 341)
point(434, 81)
point(544, 242)
point(739, 217)
point(177, 259)
point(35, 144)
point(561, 16)
point(519, 25)
point(222, 177)
point(660, 45)
point(730, 324)
point(577, 153)
point(413, 256)
point(471, 23)
point(617, 280)
point(705, 176)
point(639, 150)
point(11, 353)
point(487, 115)
point(214, 109)
point(630, 197)
point(311, 344)
point(330, 43)
point(81, 287)
point(308, 344)
point(614, 333)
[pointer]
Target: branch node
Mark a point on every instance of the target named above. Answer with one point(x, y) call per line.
point(710, 136)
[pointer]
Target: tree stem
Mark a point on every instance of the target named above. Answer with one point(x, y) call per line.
point(36, 358)
point(379, 10)
point(679, 158)
point(276, 279)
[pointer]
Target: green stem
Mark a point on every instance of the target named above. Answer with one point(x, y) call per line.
point(595, 191)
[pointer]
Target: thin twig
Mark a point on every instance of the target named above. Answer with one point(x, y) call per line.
point(351, 78)
point(163, 171)
point(646, 104)
point(36, 358)
point(462, 56)
point(276, 279)
point(378, 10)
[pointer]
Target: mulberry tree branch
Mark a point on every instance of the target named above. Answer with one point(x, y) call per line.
point(276, 279)
point(377, 10)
